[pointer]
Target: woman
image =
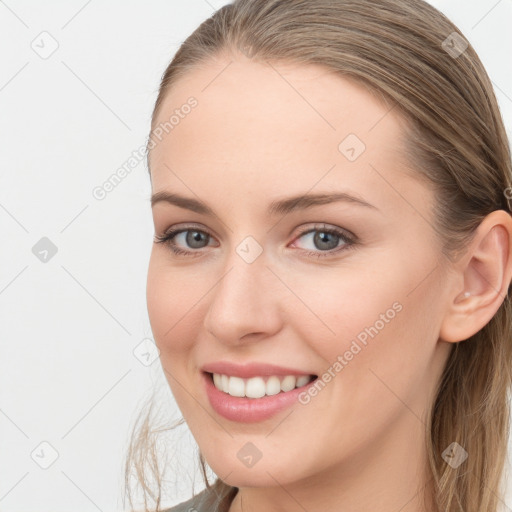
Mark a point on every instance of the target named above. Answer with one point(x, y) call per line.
point(329, 283)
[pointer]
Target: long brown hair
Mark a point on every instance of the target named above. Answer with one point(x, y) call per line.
point(415, 59)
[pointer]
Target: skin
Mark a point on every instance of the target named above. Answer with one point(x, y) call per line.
point(261, 133)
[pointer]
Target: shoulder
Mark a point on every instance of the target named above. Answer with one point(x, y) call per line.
point(195, 504)
point(207, 500)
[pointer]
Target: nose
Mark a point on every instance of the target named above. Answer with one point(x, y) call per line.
point(244, 304)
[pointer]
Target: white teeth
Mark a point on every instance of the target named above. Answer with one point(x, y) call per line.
point(288, 383)
point(225, 383)
point(273, 385)
point(256, 387)
point(302, 381)
point(236, 386)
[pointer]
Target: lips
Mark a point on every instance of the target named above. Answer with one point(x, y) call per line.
point(252, 370)
point(261, 406)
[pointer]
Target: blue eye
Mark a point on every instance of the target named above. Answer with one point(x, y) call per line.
point(326, 239)
point(193, 237)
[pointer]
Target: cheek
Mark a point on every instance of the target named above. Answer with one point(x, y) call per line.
point(173, 298)
point(172, 315)
point(385, 298)
point(352, 304)
point(374, 327)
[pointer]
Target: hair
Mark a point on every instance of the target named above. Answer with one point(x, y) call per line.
point(455, 140)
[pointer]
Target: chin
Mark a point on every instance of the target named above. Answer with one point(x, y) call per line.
point(265, 472)
point(237, 476)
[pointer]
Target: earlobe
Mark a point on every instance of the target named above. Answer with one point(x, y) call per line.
point(486, 272)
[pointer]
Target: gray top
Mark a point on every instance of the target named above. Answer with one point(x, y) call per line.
point(208, 500)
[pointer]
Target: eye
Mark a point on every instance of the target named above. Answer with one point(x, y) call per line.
point(194, 238)
point(326, 240)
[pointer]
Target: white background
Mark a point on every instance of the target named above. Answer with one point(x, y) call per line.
point(68, 374)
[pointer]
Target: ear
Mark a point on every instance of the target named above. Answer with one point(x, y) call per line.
point(482, 279)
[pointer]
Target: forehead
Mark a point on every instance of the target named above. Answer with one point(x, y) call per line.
point(274, 124)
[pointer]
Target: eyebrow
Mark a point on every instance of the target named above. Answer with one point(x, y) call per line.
point(281, 206)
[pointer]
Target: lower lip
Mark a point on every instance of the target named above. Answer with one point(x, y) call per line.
point(250, 410)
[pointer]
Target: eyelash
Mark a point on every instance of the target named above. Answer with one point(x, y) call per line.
point(348, 241)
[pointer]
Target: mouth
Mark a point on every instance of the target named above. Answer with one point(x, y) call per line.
point(246, 400)
point(258, 386)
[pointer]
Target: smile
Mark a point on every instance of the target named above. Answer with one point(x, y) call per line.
point(252, 403)
point(257, 387)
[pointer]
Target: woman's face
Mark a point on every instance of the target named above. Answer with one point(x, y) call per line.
point(351, 291)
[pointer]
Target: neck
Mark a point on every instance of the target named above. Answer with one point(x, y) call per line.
point(388, 476)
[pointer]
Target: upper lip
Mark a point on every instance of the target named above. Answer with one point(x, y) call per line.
point(249, 370)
